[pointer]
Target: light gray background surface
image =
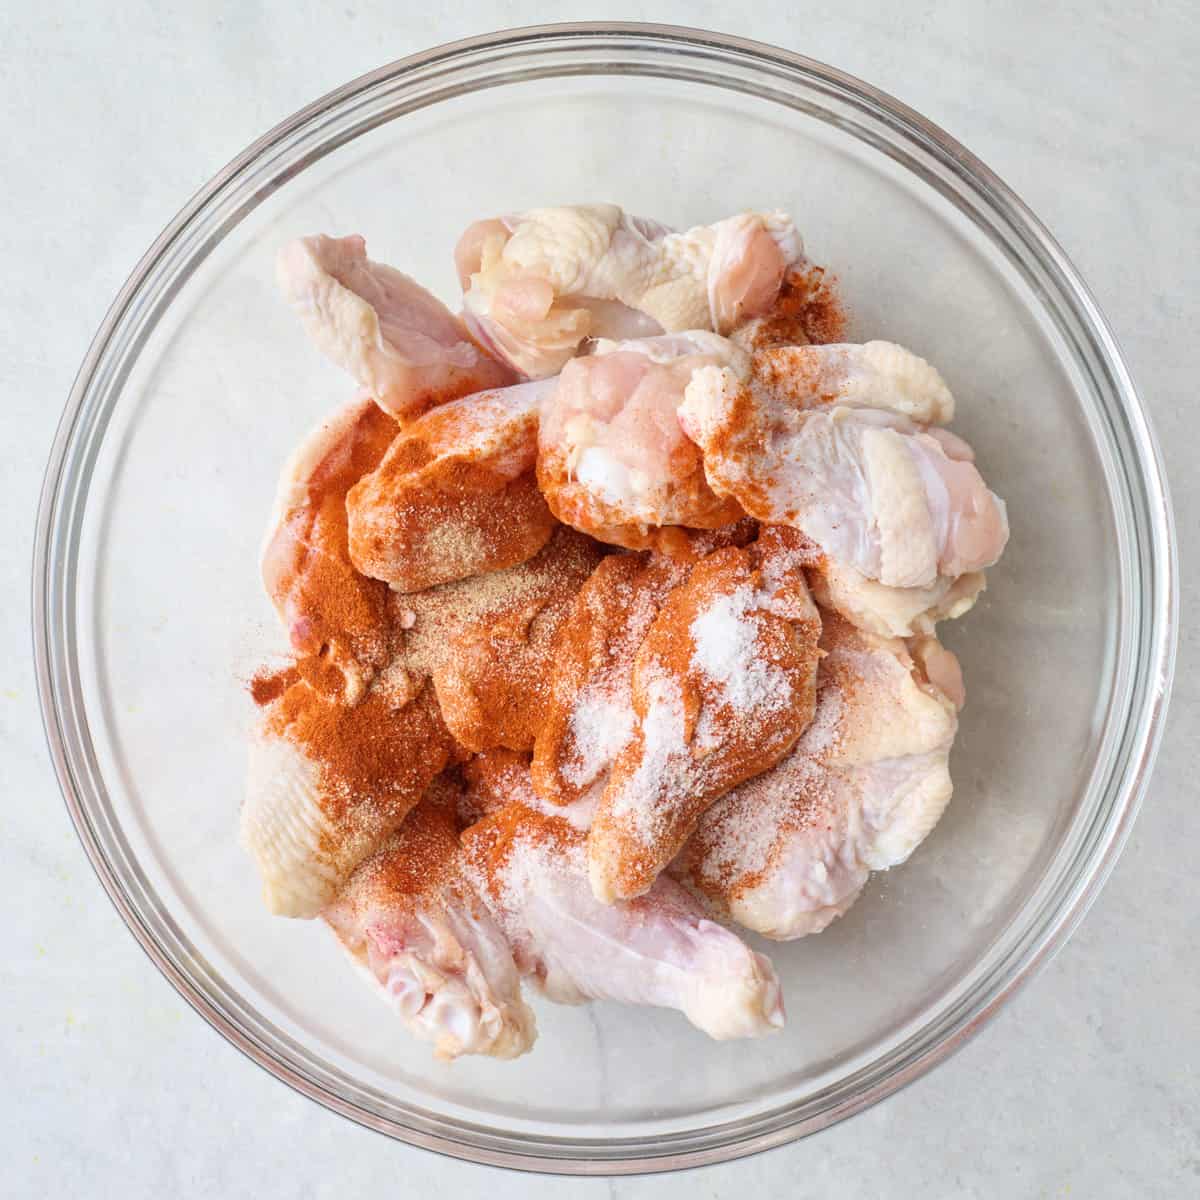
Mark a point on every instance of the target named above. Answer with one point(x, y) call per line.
point(1088, 1085)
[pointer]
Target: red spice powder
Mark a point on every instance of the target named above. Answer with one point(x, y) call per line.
point(368, 754)
point(267, 686)
point(808, 310)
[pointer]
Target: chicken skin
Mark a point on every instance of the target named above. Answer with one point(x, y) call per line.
point(613, 459)
point(411, 920)
point(660, 949)
point(790, 850)
point(394, 338)
point(538, 283)
point(723, 685)
point(455, 495)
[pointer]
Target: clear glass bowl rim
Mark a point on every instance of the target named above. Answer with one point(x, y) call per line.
point(1147, 634)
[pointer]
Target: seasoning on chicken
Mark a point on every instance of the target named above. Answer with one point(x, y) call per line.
point(492, 676)
point(327, 783)
point(589, 713)
point(455, 495)
point(588, 716)
point(723, 685)
point(414, 924)
point(790, 850)
point(435, 623)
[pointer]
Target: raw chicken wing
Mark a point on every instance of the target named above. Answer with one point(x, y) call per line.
point(492, 680)
point(327, 783)
point(331, 612)
point(538, 283)
point(455, 495)
point(395, 338)
point(613, 459)
point(588, 716)
point(723, 685)
point(658, 949)
point(896, 502)
point(790, 850)
point(413, 923)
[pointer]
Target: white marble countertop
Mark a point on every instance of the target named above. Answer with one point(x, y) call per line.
point(1087, 1085)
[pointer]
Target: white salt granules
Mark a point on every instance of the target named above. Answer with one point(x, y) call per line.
point(746, 828)
point(602, 716)
point(726, 650)
point(601, 724)
point(820, 740)
point(578, 814)
point(664, 770)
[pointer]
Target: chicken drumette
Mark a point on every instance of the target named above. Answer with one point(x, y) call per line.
point(530, 863)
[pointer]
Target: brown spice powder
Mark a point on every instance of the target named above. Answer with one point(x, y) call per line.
point(418, 860)
point(435, 618)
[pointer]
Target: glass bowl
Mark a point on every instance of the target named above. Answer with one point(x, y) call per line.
point(149, 616)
